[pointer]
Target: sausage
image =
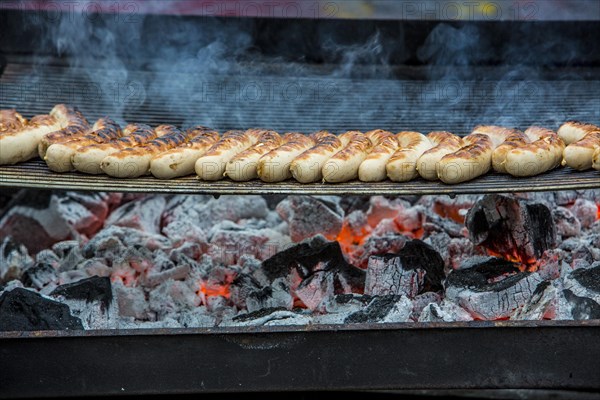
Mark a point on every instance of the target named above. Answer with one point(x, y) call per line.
point(471, 161)
point(402, 166)
point(275, 165)
point(307, 167)
point(444, 144)
point(515, 140)
point(498, 134)
point(181, 160)
point(243, 167)
point(11, 121)
point(88, 158)
point(59, 155)
point(373, 168)
point(574, 131)
point(134, 162)
point(211, 166)
point(596, 159)
point(378, 135)
point(343, 166)
point(75, 125)
point(579, 155)
point(537, 157)
point(21, 145)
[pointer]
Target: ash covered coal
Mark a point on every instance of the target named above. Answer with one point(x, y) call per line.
point(110, 261)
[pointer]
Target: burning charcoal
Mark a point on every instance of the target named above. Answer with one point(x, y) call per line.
point(582, 308)
point(34, 219)
point(230, 242)
point(421, 301)
point(383, 309)
point(308, 216)
point(185, 253)
point(539, 305)
point(440, 242)
point(511, 228)
point(493, 289)
point(349, 204)
point(10, 286)
point(455, 208)
point(143, 214)
point(118, 238)
point(242, 286)
point(269, 316)
point(567, 225)
point(585, 282)
point(347, 303)
point(24, 310)
point(171, 297)
point(131, 301)
point(565, 197)
point(586, 212)
point(48, 257)
point(69, 253)
point(275, 296)
point(39, 276)
point(550, 264)
point(417, 268)
point(161, 268)
point(460, 249)
point(446, 311)
point(582, 253)
point(91, 300)
point(14, 258)
point(378, 245)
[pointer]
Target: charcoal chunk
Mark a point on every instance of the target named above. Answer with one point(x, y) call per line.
point(24, 310)
point(91, 290)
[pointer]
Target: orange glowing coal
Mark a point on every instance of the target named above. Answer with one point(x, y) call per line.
point(215, 290)
point(530, 265)
point(350, 238)
point(598, 213)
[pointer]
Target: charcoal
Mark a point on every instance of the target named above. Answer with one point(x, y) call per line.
point(227, 245)
point(378, 245)
point(270, 317)
point(446, 311)
point(511, 228)
point(276, 295)
point(389, 308)
point(132, 301)
point(582, 308)
point(14, 258)
point(417, 268)
point(186, 252)
point(273, 199)
point(171, 297)
point(91, 300)
point(550, 265)
point(421, 301)
point(48, 257)
point(454, 208)
point(242, 286)
point(492, 289)
point(69, 253)
point(585, 282)
point(308, 216)
point(24, 310)
point(567, 225)
point(198, 317)
point(39, 276)
point(539, 305)
point(160, 268)
point(432, 223)
point(347, 303)
point(143, 214)
point(350, 204)
point(118, 238)
point(586, 212)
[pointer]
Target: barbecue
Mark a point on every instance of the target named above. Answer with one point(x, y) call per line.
point(195, 204)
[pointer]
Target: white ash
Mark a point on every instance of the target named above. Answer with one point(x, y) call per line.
point(421, 301)
point(308, 216)
point(446, 311)
point(567, 225)
point(14, 259)
point(143, 214)
point(539, 305)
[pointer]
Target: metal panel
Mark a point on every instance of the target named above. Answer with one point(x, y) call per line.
point(541, 354)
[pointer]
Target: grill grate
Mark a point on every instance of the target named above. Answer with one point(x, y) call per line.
point(296, 104)
point(35, 174)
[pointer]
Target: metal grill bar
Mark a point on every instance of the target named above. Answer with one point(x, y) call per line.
point(35, 174)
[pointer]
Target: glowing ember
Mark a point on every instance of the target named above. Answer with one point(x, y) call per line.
point(207, 290)
point(598, 214)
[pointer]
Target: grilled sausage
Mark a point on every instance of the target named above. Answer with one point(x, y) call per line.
point(11, 121)
point(243, 167)
point(343, 166)
point(211, 166)
point(498, 134)
point(444, 144)
point(88, 158)
point(579, 155)
point(402, 166)
point(21, 145)
point(373, 168)
point(181, 160)
point(596, 160)
point(471, 161)
point(275, 165)
point(307, 167)
point(58, 156)
point(75, 125)
point(514, 140)
point(574, 131)
point(537, 157)
point(134, 162)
